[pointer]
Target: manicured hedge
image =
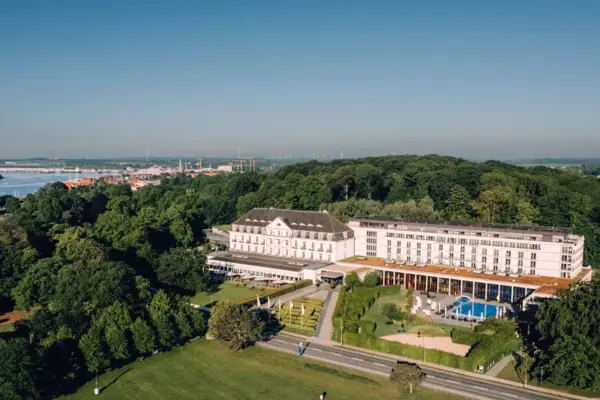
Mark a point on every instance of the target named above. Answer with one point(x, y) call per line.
point(486, 348)
point(276, 293)
point(462, 336)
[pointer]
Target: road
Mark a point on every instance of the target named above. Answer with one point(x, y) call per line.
point(435, 379)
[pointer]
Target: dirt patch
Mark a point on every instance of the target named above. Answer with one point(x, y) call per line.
point(440, 343)
point(11, 317)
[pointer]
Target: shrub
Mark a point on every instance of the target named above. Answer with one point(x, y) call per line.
point(391, 312)
point(462, 336)
point(371, 279)
point(367, 327)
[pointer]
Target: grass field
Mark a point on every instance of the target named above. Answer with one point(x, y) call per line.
point(230, 291)
point(510, 373)
point(297, 323)
point(208, 370)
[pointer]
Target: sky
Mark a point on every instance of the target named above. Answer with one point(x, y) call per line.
point(477, 79)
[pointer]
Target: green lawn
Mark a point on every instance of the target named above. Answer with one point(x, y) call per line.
point(510, 373)
point(208, 370)
point(230, 291)
point(420, 323)
point(6, 328)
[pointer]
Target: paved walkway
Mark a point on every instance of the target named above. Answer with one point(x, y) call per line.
point(325, 330)
point(500, 365)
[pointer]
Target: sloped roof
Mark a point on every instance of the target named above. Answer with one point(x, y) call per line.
point(317, 221)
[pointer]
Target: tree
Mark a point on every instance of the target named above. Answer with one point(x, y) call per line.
point(163, 318)
point(12, 204)
point(352, 280)
point(371, 279)
point(458, 204)
point(143, 336)
point(526, 213)
point(569, 342)
point(391, 312)
point(38, 284)
point(17, 370)
point(368, 179)
point(406, 375)
point(235, 324)
point(116, 320)
point(182, 270)
point(93, 349)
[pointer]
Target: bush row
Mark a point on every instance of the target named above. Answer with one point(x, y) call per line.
point(248, 301)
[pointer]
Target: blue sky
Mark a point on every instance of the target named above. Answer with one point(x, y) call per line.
point(481, 79)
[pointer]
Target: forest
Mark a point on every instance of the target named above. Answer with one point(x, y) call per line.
point(106, 270)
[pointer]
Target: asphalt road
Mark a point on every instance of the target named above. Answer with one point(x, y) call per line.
point(439, 380)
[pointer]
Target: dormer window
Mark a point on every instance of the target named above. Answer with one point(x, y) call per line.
point(319, 226)
point(302, 224)
point(293, 223)
point(248, 220)
point(310, 224)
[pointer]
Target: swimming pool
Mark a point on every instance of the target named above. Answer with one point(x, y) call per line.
point(464, 307)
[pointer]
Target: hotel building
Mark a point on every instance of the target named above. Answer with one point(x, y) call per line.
point(285, 245)
point(304, 235)
point(514, 264)
point(500, 249)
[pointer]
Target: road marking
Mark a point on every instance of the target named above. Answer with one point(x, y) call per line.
point(279, 340)
point(480, 388)
point(380, 364)
point(357, 359)
point(451, 381)
point(508, 394)
point(336, 354)
point(317, 349)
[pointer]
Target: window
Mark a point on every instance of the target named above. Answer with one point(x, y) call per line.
point(533, 256)
point(532, 272)
point(532, 264)
point(462, 249)
point(428, 246)
point(420, 237)
point(508, 253)
point(461, 264)
point(371, 234)
point(496, 253)
point(408, 245)
point(473, 265)
point(473, 250)
point(441, 247)
point(507, 262)
point(398, 243)
point(418, 253)
point(371, 254)
point(484, 252)
point(371, 247)
point(389, 242)
point(418, 245)
point(451, 256)
point(495, 260)
point(483, 259)
point(519, 263)
point(451, 248)
point(520, 254)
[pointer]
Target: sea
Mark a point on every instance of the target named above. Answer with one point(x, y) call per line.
point(21, 184)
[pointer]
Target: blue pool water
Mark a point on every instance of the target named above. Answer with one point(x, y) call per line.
point(465, 306)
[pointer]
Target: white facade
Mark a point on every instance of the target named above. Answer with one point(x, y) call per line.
point(504, 250)
point(282, 238)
